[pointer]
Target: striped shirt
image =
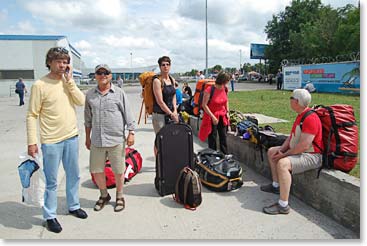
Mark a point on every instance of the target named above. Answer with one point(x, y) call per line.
point(108, 115)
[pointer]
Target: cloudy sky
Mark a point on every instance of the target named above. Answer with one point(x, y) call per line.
point(108, 31)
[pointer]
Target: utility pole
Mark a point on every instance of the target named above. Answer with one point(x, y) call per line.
point(131, 65)
point(240, 60)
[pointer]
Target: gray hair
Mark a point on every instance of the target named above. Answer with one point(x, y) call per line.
point(303, 97)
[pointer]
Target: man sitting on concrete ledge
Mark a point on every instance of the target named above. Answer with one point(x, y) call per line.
point(299, 153)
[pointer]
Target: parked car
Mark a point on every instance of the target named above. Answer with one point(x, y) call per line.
point(242, 78)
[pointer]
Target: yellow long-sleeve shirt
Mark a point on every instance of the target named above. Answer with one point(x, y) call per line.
point(53, 102)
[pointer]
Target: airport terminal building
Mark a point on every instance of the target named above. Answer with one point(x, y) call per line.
point(24, 56)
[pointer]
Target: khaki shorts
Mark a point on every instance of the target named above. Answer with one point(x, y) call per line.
point(99, 155)
point(304, 162)
point(158, 121)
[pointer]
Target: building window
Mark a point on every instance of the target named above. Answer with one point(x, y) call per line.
point(15, 74)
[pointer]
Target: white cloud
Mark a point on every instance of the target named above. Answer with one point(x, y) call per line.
point(108, 31)
point(3, 14)
point(128, 42)
point(83, 45)
point(83, 13)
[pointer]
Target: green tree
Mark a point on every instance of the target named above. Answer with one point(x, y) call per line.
point(307, 29)
point(282, 25)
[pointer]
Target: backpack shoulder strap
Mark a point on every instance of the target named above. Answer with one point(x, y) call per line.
point(159, 78)
point(305, 116)
point(212, 89)
point(301, 123)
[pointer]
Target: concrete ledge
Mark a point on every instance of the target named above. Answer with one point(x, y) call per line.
point(334, 193)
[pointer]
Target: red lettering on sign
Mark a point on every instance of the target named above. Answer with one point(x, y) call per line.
point(313, 71)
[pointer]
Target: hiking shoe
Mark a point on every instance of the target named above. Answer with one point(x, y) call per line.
point(276, 209)
point(53, 225)
point(79, 213)
point(101, 202)
point(270, 188)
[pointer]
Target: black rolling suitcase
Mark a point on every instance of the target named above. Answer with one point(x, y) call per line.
point(174, 143)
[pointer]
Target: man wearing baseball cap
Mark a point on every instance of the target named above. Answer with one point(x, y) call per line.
point(106, 117)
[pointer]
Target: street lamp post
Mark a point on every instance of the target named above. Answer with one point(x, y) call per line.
point(240, 60)
point(131, 65)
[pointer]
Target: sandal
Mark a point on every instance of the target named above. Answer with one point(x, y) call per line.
point(101, 202)
point(120, 204)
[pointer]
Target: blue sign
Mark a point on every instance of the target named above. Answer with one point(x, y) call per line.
point(336, 77)
point(257, 51)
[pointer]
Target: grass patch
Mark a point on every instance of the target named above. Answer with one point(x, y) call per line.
point(275, 103)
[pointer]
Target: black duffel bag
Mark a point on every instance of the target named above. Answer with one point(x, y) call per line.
point(218, 172)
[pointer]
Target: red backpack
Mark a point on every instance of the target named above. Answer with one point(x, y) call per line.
point(110, 176)
point(133, 162)
point(339, 135)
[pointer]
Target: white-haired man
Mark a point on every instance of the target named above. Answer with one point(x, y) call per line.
point(300, 152)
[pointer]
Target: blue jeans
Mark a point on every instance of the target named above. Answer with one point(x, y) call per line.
point(68, 152)
point(21, 98)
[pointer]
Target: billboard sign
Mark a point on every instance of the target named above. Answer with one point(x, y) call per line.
point(292, 77)
point(257, 51)
point(343, 77)
point(333, 77)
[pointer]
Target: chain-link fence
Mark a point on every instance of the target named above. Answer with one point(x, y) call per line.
point(355, 56)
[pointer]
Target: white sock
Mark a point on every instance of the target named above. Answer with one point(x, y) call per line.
point(275, 184)
point(283, 203)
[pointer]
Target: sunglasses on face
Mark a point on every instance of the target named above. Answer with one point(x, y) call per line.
point(165, 65)
point(103, 73)
point(61, 50)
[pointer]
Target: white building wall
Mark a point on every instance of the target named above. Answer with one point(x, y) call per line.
point(40, 48)
point(29, 55)
point(16, 55)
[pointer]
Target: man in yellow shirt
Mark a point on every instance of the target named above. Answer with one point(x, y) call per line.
point(52, 101)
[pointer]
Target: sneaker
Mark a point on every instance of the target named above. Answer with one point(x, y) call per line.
point(102, 201)
point(276, 209)
point(53, 225)
point(79, 213)
point(270, 188)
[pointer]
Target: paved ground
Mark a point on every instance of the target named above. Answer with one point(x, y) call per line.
point(233, 215)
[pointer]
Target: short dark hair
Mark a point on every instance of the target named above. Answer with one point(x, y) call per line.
point(222, 78)
point(56, 53)
point(164, 59)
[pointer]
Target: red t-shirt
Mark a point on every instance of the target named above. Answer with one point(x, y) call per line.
point(218, 106)
point(311, 125)
point(218, 103)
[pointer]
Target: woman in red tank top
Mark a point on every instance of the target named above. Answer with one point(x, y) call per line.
point(216, 117)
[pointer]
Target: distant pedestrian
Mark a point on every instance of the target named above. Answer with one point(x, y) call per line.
point(232, 81)
point(120, 82)
point(270, 79)
point(52, 104)
point(106, 115)
point(178, 95)
point(186, 90)
point(20, 90)
point(279, 80)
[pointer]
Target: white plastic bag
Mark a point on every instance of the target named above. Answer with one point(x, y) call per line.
point(34, 194)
